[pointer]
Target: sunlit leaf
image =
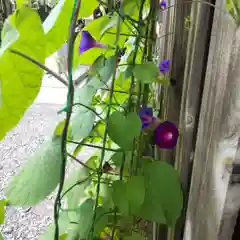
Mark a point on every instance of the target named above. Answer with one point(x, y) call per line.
point(3, 203)
point(63, 236)
point(20, 80)
point(1, 236)
point(163, 198)
point(38, 177)
point(123, 129)
point(87, 7)
point(82, 124)
point(56, 26)
point(146, 72)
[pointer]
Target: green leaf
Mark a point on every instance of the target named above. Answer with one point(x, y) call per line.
point(59, 129)
point(98, 28)
point(85, 215)
point(38, 177)
point(20, 80)
point(135, 193)
point(3, 203)
point(119, 196)
point(76, 194)
point(146, 72)
point(87, 7)
point(64, 223)
point(233, 6)
point(101, 220)
point(163, 197)
point(129, 196)
point(56, 26)
point(82, 124)
point(123, 129)
point(117, 159)
point(63, 236)
point(1, 236)
point(134, 236)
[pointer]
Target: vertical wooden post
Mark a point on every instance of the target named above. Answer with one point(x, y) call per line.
point(211, 209)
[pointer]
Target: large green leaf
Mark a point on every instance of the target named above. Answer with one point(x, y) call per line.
point(119, 196)
point(56, 26)
point(3, 203)
point(76, 194)
point(129, 196)
point(163, 198)
point(20, 80)
point(135, 193)
point(38, 177)
point(123, 129)
point(146, 72)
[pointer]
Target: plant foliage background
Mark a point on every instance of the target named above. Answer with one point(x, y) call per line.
point(109, 108)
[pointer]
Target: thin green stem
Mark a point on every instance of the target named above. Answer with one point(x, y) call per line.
point(70, 99)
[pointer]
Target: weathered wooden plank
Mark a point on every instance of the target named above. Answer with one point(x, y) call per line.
point(210, 206)
point(194, 74)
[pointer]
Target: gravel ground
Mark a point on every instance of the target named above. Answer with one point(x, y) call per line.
point(37, 124)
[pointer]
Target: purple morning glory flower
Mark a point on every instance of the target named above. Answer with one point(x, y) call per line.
point(87, 42)
point(146, 115)
point(166, 135)
point(164, 66)
point(163, 4)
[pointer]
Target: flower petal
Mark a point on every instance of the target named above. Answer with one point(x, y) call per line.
point(166, 135)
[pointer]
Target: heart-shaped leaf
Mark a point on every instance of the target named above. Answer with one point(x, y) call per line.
point(129, 196)
point(146, 72)
point(20, 80)
point(163, 198)
point(123, 129)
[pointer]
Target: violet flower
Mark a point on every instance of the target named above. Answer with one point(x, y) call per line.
point(166, 135)
point(164, 66)
point(87, 42)
point(163, 4)
point(146, 115)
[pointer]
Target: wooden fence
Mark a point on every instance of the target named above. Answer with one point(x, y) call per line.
point(205, 103)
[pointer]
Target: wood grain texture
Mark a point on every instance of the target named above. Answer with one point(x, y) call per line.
point(213, 202)
point(194, 74)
